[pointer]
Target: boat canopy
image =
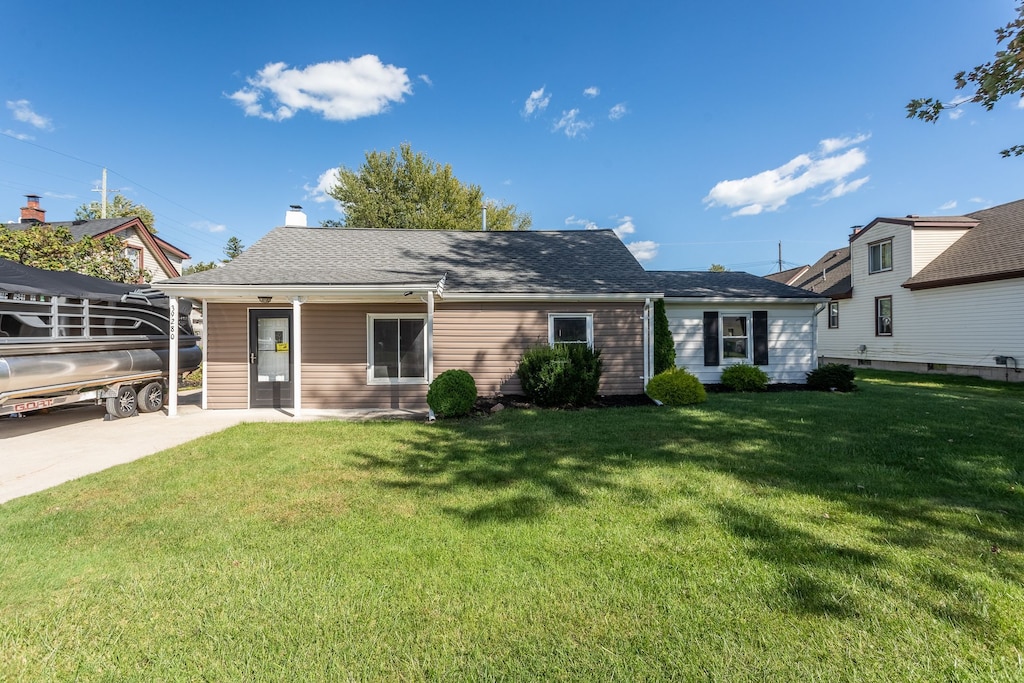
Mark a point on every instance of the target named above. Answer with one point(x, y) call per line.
point(21, 279)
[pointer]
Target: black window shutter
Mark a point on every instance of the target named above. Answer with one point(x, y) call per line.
point(710, 338)
point(760, 337)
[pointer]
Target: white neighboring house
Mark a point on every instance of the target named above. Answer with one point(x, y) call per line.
point(934, 294)
point(722, 319)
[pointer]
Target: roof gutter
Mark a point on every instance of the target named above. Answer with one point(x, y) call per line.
point(745, 300)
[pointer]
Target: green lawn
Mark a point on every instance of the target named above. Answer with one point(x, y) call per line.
point(873, 536)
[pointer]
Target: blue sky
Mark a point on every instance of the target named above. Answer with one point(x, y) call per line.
point(703, 132)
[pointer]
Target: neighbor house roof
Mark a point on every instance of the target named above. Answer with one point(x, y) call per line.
point(528, 262)
point(993, 249)
point(703, 284)
point(829, 276)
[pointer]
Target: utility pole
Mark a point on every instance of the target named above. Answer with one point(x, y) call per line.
point(103, 195)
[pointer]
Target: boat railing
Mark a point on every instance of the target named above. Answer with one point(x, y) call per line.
point(32, 316)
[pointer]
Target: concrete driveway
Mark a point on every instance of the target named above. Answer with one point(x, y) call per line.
point(43, 450)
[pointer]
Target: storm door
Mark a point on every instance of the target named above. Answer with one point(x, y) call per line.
point(271, 376)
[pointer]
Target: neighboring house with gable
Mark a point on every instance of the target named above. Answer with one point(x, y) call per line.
point(155, 258)
point(726, 318)
point(933, 294)
point(327, 318)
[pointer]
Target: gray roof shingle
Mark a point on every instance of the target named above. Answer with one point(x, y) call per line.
point(830, 276)
point(555, 262)
point(991, 250)
point(728, 284)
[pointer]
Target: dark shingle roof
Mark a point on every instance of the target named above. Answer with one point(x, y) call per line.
point(704, 284)
point(556, 262)
point(78, 229)
point(784, 276)
point(991, 250)
point(829, 276)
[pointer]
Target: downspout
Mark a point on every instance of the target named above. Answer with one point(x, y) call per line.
point(297, 353)
point(648, 342)
point(814, 336)
point(173, 339)
point(430, 345)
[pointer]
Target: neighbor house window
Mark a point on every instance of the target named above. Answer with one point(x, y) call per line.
point(134, 254)
point(571, 328)
point(833, 315)
point(396, 349)
point(880, 256)
point(883, 316)
point(735, 337)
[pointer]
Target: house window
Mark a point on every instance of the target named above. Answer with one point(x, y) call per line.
point(880, 256)
point(396, 349)
point(735, 338)
point(134, 254)
point(883, 316)
point(833, 315)
point(571, 328)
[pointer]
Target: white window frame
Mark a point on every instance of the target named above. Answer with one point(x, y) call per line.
point(833, 306)
point(721, 338)
point(880, 261)
point(590, 327)
point(370, 318)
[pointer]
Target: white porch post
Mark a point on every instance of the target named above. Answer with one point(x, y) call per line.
point(173, 339)
point(297, 352)
point(430, 335)
point(205, 337)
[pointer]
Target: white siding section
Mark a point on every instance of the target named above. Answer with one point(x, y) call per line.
point(150, 263)
point(790, 338)
point(960, 325)
point(929, 243)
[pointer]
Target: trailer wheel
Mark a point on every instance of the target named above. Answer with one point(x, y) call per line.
point(125, 404)
point(151, 398)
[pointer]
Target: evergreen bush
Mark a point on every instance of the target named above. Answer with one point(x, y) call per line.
point(452, 393)
point(664, 344)
point(745, 377)
point(676, 387)
point(832, 377)
point(563, 375)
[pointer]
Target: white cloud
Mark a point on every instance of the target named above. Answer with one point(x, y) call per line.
point(571, 125)
point(956, 114)
point(19, 136)
point(210, 227)
point(537, 102)
point(770, 190)
point(59, 195)
point(830, 145)
point(338, 91)
point(326, 182)
point(426, 79)
point(644, 250)
point(948, 206)
point(978, 200)
point(23, 112)
point(1020, 102)
point(592, 91)
point(618, 111)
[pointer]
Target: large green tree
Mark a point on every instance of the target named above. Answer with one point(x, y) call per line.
point(406, 189)
point(49, 248)
point(991, 81)
point(118, 207)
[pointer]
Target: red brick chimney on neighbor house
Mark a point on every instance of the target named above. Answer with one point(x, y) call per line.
point(32, 213)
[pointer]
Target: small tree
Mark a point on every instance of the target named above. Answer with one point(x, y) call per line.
point(233, 249)
point(199, 267)
point(718, 268)
point(49, 248)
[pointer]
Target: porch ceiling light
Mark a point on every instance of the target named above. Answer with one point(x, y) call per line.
point(264, 299)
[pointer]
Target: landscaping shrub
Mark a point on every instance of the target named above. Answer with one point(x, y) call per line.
point(832, 377)
point(676, 387)
point(563, 375)
point(664, 344)
point(452, 393)
point(745, 378)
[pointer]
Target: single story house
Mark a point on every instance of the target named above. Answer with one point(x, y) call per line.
point(331, 318)
point(155, 258)
point(720, 319)
point(933, 294)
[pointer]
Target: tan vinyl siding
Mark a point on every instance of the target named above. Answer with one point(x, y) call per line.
point(487, 340)
point(227, 356)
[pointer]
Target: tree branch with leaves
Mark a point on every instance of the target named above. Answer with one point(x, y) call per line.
point(991, 81)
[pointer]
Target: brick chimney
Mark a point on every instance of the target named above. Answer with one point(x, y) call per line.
point(32, 213)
